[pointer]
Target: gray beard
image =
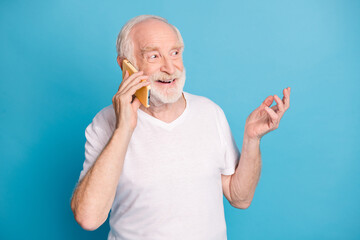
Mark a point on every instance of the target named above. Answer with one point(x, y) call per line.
point(158, 98)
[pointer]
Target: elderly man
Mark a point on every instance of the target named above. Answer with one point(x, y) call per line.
point(162, 170)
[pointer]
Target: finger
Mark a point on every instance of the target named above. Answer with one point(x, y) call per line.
point(129, 79)
point(120, 99)
point(286, 98)
point(134, 88)
point(127, 75)
point(274, 117)
point(133, 79)
point(275, 108)
point(267, 102)
point(124, 77)
point(279, 103)
point(137, 80)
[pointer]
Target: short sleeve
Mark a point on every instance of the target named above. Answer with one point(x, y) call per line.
point(97, 136)
point(231, 152)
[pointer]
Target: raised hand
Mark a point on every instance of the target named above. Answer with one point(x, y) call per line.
point(265, 118)
point(124, 105)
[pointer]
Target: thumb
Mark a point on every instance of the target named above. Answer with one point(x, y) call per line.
point(136, 103)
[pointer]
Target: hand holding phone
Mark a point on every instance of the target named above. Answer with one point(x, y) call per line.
point(143, 94)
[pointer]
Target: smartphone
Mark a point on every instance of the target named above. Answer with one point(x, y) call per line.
point(143, 94)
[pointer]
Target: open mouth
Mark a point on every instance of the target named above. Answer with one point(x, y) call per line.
point(166, 81)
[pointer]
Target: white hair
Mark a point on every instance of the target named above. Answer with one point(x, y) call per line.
point(124, 44)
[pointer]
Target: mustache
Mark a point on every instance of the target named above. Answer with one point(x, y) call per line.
point(164, 76)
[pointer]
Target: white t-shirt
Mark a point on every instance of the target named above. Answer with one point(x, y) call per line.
point(170, 186)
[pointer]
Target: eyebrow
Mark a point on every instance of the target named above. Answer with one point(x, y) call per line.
point(149, 49)
point(154, 48)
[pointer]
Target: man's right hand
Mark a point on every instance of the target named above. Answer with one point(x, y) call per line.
point(124, 105)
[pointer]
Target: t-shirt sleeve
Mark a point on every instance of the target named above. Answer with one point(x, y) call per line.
point(231, 152)
point(97, 136)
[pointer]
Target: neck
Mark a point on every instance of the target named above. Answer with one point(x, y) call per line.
point(166, 112)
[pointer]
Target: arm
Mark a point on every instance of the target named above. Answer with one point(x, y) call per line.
point(94, 195)
point(241, 185)
point(239, 188)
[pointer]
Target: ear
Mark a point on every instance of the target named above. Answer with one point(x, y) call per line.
point(120, 61)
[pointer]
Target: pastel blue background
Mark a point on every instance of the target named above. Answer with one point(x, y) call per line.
point(58, 70)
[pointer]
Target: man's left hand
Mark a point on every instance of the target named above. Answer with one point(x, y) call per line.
point(265, 118)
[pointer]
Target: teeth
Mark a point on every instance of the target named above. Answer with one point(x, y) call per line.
point(166, 81)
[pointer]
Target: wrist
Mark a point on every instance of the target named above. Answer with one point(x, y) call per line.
point(250, 148)
point(123, 130)
point(251, 140)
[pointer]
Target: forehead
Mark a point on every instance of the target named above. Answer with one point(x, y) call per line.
point(153, 34)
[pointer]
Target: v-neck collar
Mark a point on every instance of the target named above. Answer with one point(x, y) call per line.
point(163, 124)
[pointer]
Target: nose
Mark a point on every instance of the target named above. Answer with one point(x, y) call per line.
point(167, 66)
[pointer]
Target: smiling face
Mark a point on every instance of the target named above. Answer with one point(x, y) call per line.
point(158, 52)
